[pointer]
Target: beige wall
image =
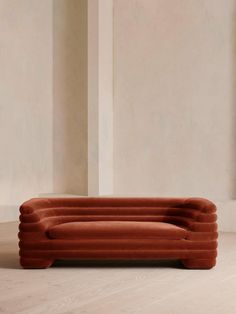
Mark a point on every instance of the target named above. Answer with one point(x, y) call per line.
point(174, 98)
point(25, 102)
point(70, 97)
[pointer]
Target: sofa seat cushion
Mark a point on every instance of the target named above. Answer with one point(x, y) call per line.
point(116, 229)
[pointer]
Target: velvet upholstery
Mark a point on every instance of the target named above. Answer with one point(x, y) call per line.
point(118, 228)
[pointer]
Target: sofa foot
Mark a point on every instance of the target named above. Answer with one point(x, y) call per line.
point(199, 263)
point(31, 263)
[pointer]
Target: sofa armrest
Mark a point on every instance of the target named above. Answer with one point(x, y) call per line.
point(32, 224)
point(205, 219)
point(201, 204)
point(203, 226)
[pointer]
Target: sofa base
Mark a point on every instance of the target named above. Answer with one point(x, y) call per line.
point(36, 263)
point(199, 263)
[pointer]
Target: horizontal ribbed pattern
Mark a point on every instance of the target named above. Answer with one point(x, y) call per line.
point(197, 216)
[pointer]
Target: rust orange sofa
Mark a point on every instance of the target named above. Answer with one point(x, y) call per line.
point(118, 229)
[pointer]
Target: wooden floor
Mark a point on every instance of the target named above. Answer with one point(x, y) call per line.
point(109, 288)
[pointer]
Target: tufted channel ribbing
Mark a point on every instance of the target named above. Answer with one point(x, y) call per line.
point(118, 228)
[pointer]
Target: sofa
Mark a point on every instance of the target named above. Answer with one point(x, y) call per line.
point(112, 228)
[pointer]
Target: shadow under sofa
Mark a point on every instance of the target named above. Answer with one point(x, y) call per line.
point(109, 228)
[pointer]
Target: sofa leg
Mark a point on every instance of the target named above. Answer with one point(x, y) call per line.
point(199, 263)
point(31, 263)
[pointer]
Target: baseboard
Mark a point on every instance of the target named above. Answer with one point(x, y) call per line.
point(226, 212)
point(9, 213)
